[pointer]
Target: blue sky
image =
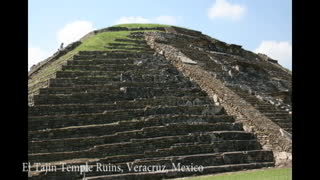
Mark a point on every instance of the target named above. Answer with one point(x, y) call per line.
point(259, 26)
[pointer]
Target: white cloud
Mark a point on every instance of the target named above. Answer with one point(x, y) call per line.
point(224, 9)
point(35, 55)
point(139, 19)
point(69, 33)
point(74, 31)
point(278, 50)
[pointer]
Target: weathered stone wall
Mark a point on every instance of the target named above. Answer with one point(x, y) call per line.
point(266, 131)
point(43, 64)
point(236, 66)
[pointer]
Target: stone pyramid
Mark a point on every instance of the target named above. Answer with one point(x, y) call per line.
point(124, 101)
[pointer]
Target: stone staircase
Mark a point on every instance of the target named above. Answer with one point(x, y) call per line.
point(277, 115)
point(131, 106)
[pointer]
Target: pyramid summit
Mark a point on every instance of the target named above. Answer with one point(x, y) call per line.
point(150, 101)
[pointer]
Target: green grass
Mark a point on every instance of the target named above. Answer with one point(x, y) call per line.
point(98, 42)
point(265, 174)
point(137, 25)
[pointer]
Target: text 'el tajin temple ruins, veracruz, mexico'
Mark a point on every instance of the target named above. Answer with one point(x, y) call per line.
point(153, 96)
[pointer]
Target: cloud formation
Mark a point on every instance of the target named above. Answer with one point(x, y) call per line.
point(139, 19)
point(69, 33)
point(278, 50)
point(224, 9)
point(36, 55)
point(74, 31)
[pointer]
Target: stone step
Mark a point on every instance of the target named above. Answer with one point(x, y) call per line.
point(117, 89)
point(141, 62)
point(140, 44)
point(113, 54)
point(102, 62)
point(202, 148)
point(253, 102)
point(41, 110)
point(103, 67)
point(110, 74)
point(247, 96)
point(145, 72)
point(80, 89)
point(259, 104)
point(125, 60)
point(264, 105)
point(32, 87)
point(101, 130)
point(83, 143)
point(131, 49)
point(72, 74)
point(51, 122)
point(274, 112)
point(200, 137)
point(107, 129)
point(282, 119)
point(111, 68)
point(212, 163)
point(79, 98)
point(139, 35)
point(277, 115)
point(126, 148)
point(113, 86)
point(83, 80)
point(266, 108)
point(88, 53)
point(111, 96)
point(214, 147)
point(105, 160)
point(118, 58)
point(65, 82)
point(285, 124)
